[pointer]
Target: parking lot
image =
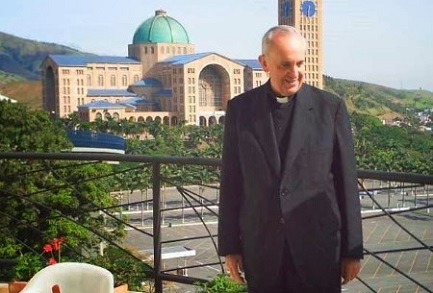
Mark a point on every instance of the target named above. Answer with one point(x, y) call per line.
point(381, 235)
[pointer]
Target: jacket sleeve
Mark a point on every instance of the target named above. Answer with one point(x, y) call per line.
point(346, 186)
point(229, 241)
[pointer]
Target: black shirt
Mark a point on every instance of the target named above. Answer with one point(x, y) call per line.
point(281, 116)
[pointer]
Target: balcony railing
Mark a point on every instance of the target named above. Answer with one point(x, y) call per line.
point(174, 220)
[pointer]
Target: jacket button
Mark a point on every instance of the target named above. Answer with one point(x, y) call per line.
point(282, 220)
point(283, 192)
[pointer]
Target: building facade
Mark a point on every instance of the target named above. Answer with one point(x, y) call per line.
point(307, 17)
point(163, 78)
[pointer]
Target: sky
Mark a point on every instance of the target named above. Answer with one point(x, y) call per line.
point(387, 42)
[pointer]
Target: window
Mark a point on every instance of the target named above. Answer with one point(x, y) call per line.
point(113, 80)
point(136, 78)
point(124, 80)
point(100, 80)
point(210, 88)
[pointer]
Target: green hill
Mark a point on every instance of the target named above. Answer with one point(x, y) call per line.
point(20, 58)
point(377, 100)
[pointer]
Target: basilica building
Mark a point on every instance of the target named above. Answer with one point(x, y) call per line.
point(162, 79)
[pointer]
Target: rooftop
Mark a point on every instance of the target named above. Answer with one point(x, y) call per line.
point(109, 93)
point(102, 104)
point(252, 63)
point(183, 59)
point(148, 82)
point(84, 60)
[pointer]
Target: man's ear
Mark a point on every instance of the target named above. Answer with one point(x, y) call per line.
point(262, 59)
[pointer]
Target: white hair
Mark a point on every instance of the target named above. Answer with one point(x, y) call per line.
point(280, 29)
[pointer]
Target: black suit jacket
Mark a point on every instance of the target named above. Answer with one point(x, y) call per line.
point(310, 201)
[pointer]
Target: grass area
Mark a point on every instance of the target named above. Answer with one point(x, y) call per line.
point(26, 92)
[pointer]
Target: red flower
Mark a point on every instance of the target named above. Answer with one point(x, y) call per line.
point(55, 245)
point(48, 248)
point(57, 242)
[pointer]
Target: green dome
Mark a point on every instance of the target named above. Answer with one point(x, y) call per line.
point(160, 28)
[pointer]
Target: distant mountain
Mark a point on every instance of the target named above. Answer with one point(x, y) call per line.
point(20, 58)
point(377, 100)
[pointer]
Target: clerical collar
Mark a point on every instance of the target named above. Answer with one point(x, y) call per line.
point(282, 100)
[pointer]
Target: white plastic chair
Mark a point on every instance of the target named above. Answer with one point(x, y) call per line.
point(71, 277)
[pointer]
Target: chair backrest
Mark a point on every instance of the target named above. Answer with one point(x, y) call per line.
point(71, 277)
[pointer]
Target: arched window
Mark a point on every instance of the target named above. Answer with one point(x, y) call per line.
point(202, 121)
point(210, 87)
point(100, 80)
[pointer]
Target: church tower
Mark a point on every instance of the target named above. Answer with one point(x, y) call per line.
point(306, 16)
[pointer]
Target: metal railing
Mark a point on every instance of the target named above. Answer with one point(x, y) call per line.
point(387, 198)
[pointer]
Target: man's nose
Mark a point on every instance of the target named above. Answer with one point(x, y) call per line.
point(292, 71)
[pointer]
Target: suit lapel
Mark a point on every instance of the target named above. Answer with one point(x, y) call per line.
point(300, 125)
point(264, 130)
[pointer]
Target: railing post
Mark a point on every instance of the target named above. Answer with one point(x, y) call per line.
point(156, 186)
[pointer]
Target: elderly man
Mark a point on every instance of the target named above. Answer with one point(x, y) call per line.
point(289, 212)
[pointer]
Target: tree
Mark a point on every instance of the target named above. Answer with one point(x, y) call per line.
point(46, 199)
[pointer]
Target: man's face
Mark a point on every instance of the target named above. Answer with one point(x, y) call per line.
point(284, 61)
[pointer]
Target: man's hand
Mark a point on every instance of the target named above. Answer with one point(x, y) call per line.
point(234, 267)
point(349, 269)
